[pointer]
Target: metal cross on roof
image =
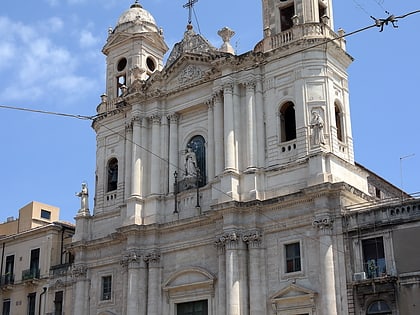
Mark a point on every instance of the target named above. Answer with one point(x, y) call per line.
point(190, 6)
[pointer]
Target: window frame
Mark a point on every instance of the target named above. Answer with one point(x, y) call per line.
point(112, 185)
point(193, 303)
point(287, 122)
point(32, 303)
point(292, 258)
point(9, 304)
point(106, 295)
point(45, 214)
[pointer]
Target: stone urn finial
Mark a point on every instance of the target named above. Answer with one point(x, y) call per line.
point(226, 34)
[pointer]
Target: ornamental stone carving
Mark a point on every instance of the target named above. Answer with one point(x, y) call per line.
point(153, 258)
point(229, 239)
point(323, 223)
point(79, 271)
point(189, 74)
point(253, 239)
point(129, 258)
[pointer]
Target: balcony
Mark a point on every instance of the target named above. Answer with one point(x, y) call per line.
point(7, 280)
point(30, 274)
point(375, 268)
point(60, 270)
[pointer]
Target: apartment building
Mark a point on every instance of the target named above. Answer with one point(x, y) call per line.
point(34, 261)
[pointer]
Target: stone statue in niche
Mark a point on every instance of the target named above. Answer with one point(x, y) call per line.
point(317, 126)
point(190, 164)
point(84, 198)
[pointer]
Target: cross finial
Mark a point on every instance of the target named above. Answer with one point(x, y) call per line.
point(190, 6)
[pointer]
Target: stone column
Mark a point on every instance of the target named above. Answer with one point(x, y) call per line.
point(259, 114)
point(173, 149)
point(81, 290)
point(221, 285)
point(324, 225)
point(229, 126)
point(210, 140)
point(153, 297)
point(135, 297)
point(136, 157)
point(251, 125)
point(128, 159)
point(218, 134)
point(257, 303)
point(233, 277)
point(164, 154)
point(155, 156)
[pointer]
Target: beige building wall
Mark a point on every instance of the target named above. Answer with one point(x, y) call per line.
point(35, 258)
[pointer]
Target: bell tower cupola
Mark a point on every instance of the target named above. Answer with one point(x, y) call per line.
point(134, 50)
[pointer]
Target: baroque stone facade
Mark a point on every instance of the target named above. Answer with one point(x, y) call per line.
point(260, 230)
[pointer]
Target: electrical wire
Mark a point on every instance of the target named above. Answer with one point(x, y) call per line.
point(94, 118)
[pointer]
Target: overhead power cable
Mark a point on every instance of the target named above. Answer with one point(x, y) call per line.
point(378, 23)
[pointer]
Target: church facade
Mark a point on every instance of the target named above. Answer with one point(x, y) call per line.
point(222, 179)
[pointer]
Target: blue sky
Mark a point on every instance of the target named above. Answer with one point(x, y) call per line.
point(50, 59)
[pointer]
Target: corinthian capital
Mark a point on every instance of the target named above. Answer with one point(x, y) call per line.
point(156, 119)
point(324, 222)
point(252, 238)
point(130, 257)
point(153, 258)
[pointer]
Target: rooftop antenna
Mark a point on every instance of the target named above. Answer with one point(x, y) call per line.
point(401, 173)
point(190, 6)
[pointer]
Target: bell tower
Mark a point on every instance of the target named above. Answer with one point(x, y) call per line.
point(281, 15)
point(308, 82)
point(134, 50)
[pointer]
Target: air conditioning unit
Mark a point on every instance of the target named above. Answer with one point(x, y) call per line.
point(358, 276)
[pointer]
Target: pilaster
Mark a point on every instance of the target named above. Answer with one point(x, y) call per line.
point(218, 134)
point(173, 148)
point(324, 225)
point(155, 177)
point(153, 298)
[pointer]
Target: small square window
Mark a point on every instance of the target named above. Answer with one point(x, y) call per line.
point(45, 214)
point(106, 288)
point(293, 257)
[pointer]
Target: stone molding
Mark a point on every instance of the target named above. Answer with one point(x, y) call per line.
point(173, 118)
point(156, 119)
point(230, 240)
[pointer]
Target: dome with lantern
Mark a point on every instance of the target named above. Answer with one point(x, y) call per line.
point(136, 20)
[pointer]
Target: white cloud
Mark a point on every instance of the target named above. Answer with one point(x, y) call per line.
point(87, 39)
point(41, 66)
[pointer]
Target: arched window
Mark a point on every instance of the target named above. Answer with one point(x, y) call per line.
point(338, 122)
point(288, 122)
point(378, 307)
point(197, 145)
point(112, 170)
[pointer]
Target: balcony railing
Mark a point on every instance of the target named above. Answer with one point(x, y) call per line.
point(7, 279)
point(375, 268)
point(30, 274)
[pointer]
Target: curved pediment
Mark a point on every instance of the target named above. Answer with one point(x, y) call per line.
point(192, 276)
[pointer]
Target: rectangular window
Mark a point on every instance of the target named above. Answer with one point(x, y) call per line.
point(292, 257)
point(34, 264)
point(106, 288)
point(58, 303)
point(192, 308)
point(31, 303)
point(9, 276)
point(374, 257)
point(45, 214)
point(6, 307)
